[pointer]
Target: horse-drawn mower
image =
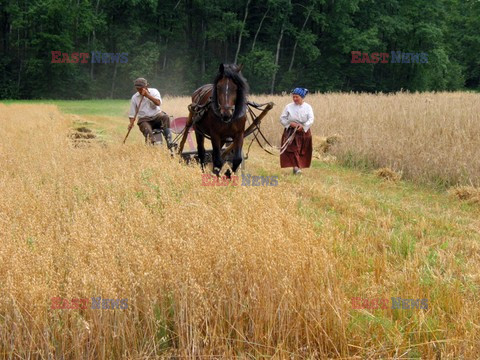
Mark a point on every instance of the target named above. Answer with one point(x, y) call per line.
point(221, 113)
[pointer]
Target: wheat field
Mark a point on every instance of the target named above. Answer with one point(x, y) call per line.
point(432, 137)
point(240, 272)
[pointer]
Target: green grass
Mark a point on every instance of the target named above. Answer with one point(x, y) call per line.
point(397, 230)
point(83, 107)
point(400, 230)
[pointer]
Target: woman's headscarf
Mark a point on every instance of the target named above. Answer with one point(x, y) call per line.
point(300, 92)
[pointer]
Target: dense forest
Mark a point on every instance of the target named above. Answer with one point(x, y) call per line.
point(178, 45)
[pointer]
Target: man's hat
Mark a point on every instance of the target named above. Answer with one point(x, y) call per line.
point(140, 82)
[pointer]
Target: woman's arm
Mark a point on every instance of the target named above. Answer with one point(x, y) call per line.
point(284, 117)
point(310, 119)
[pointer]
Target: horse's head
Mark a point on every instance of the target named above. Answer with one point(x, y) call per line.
point(229, 93)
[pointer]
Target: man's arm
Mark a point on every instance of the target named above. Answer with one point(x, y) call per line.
point(131, 113)
point(132, 121)
point(149, 96)
point(133, 108)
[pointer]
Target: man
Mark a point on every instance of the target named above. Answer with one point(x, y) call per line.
point(150, 117)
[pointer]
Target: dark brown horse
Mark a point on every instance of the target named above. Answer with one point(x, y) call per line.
point(218, 111)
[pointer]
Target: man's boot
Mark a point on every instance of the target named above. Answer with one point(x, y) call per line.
point(168, 138)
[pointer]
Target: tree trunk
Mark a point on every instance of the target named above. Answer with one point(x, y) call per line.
point(19, 79)
point(296, 40)
point(20, 64)
point(113, 79)
point(75, 37)
point(277, 56)
point(204, 48)
point(4, 30)
point(158, 41)
point(4, 43)
point(165, 55)
point(188, 33)
point(259, 27)
point(241, 32)
point(93, 39)
point(225, 43)
point(91, 62)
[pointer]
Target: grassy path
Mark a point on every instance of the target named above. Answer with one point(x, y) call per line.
point(393, 240)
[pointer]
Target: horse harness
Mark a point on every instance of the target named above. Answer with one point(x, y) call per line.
point(199, 109)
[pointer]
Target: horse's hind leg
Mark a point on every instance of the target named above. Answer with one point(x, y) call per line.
point(201, 149)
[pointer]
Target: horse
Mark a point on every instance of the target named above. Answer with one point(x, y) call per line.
point(219, 112)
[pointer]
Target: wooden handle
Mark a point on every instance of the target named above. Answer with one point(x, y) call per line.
point(134, 118)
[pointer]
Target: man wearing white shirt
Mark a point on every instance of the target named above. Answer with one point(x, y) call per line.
point(297, 118)
point(150, 116)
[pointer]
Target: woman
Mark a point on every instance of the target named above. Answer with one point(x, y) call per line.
point(297, 118)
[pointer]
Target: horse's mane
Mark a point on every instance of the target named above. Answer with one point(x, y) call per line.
point(232, 72)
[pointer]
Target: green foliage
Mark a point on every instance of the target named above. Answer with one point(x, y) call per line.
point(260, 65)
point(177, 45)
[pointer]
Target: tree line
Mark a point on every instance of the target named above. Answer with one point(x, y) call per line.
point(178, 44)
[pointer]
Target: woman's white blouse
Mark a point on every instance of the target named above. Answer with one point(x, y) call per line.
point(302, 114)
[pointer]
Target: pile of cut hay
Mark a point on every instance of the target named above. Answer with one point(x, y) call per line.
point(82, 136)
point(469, 194)
point(388, 174)
point(322, 145)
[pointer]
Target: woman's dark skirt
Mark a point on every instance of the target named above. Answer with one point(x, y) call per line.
point(299, 152)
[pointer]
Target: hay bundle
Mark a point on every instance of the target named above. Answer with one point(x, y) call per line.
point(83, 129)
point(82, 137)
point(470, 194)
point(322, 145)
point(388, 174)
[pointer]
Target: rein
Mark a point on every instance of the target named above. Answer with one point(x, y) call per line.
point(199, 111)
point(257, 128)
point(288, 141)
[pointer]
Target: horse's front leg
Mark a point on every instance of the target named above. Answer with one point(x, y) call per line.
point(201, 149)
point(237, 151)
point(216, 156)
